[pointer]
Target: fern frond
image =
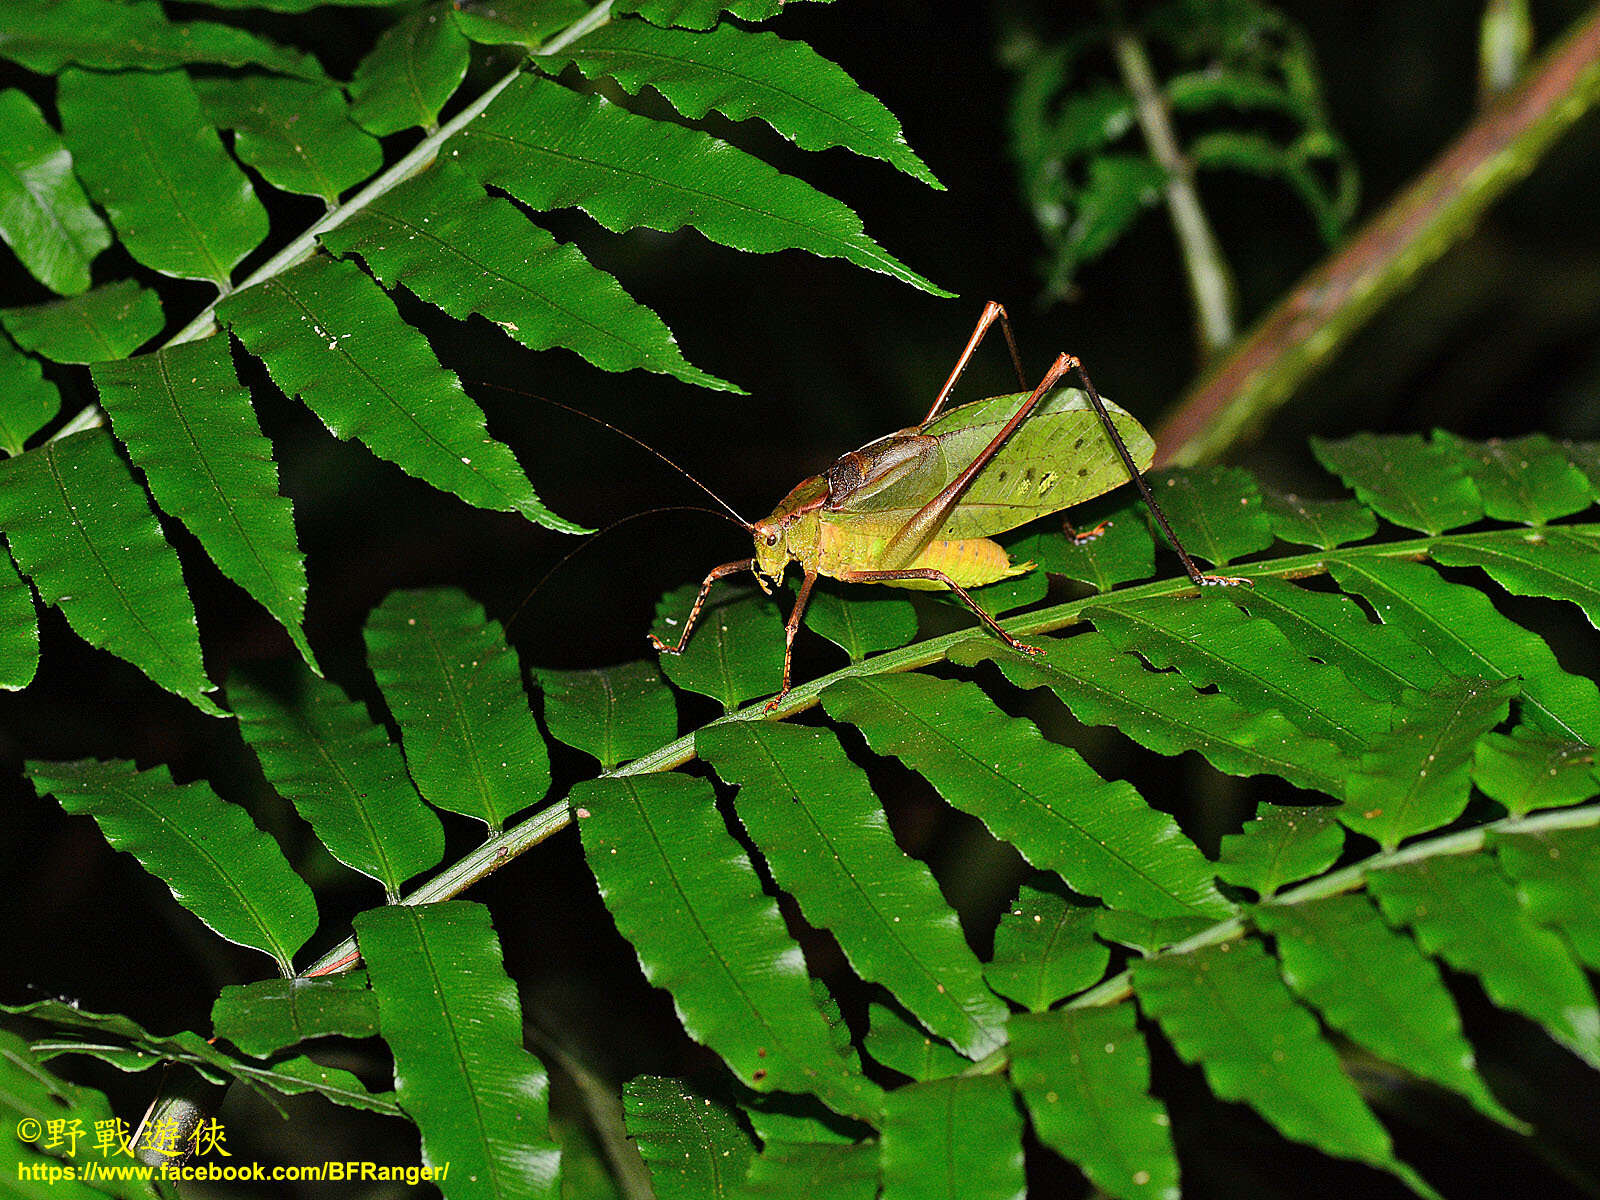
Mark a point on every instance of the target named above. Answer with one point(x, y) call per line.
point(273, 1014)
point(479, 1098)
point(218, 864)
point(323, 754)
point(188, 425)
point(81, 528)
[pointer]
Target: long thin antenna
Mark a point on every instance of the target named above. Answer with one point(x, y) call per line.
point(600, 533)
point(639, 442)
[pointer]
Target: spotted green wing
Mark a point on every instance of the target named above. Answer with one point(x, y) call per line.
point(1058, 457)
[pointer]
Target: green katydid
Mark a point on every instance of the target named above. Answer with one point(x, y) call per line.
point(915, 509)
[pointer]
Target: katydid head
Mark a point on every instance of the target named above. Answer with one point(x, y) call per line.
point(789, 534)
point(772, 551)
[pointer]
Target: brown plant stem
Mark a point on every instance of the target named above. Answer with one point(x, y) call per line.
point(1313, 322)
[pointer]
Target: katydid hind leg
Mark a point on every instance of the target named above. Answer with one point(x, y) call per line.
point(937, 576)
point(1200, 578)
point(910, 537)
point(716, 573)
point(1082, 537)
point(992, 312)
point(790, 628)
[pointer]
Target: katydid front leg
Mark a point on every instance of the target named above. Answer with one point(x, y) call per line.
point(728, 568)
point(790, 628)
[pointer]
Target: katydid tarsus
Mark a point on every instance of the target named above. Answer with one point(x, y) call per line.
point(915, 509)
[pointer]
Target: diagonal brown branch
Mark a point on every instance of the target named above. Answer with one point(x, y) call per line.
point(1313, 322)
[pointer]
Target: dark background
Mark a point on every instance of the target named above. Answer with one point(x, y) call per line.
point(1498, 339)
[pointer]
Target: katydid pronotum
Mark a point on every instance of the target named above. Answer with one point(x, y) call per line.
point(915, 509)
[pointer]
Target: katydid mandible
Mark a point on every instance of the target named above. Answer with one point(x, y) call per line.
point(915, 509)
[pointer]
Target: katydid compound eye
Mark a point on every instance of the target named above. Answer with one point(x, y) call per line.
point(772, 539)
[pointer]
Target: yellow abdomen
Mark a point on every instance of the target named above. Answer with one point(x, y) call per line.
point(968, 562)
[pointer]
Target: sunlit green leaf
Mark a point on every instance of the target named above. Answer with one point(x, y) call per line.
point(1558, 562)
point(299, 1076)
point(1146, 935)
point(1557, 873)
point(1528, 772)
point(441, 237)
point(683, 892)
point(328, 758)
point(694, 1147)
point(700, 14)
point(861, 624)
point(1521, 479)
point(614, 713)
point(736, 651)
point(44, 216)
point(405, 79)
point(517, 22)
point(219, 865)
point(19, 629)
point(299, 6)
point(1282, 844)
point(952, 1139)
point(29, 1092)
point(1120, 552)
point(1586, 457)
point(189, 426)
point(832, 1171)
point(826, 839)
point(777, 1118)
point(1413, 779)
point(1249, 659)
point(553, 148)
point(1085, 1076)
point(744, 75)
point(329, 335)
point(451, 1016)
point(106, 323)
point(298, 134)
point(1418, 484)
point(28, 401)
point(1470, 638)
point(1215, 511)
point(455, 687)
point(1378, 989)
point(1045, 949)
point(274, 1014)
point(900, 1044)
point(1099, 836)
point(123, 1042)
point(1225, 1008)
point(179, 204)
point(81, 528)
point(1379, 659)
point(46, 35)
point(1159, 710)
point(1324, 523)
point(1467, 913)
